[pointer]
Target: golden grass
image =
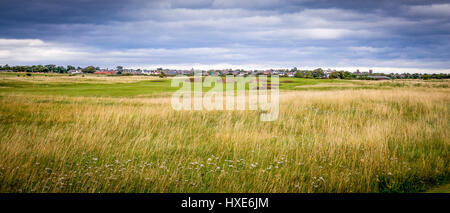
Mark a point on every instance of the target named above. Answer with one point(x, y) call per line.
point(86, 78)
point(336, 85)
point(324, 141)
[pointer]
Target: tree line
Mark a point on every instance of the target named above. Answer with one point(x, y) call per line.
point(316, 73)
point(50, 68)
point(319, 73)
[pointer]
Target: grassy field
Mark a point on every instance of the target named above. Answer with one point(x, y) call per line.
point(120, 134)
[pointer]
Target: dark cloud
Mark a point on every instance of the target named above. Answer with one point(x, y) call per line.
point(102, 11)
point(340, 31)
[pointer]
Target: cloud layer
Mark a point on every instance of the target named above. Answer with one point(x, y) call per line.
point(404, 35)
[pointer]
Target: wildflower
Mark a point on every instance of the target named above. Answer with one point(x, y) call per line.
point(94, 159)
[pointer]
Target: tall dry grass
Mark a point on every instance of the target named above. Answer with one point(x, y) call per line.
point(324, 141)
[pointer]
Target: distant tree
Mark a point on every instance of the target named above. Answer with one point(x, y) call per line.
point(70, 67)
point(6, 67)
point(318, 73)
point(43, 69)
point(334, 75)
point(119, 70)
point(61, 69)
point(51, 67)
point(89, 69)
point(299, 74)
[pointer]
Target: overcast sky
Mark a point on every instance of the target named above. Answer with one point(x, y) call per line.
point(384, 35)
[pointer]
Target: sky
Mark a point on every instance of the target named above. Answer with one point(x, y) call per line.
point(383, 35)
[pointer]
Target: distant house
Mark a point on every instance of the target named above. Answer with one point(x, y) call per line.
point(170, 72)
point(375, 77)
point(131, 71)
point(146, 72)
point(105, 72)
point(74, 72)
point(187, 72)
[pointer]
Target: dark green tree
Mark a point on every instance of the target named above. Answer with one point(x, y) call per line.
point(89, 69)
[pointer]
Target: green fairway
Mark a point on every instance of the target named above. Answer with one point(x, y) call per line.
point(122, 86)
point(88, 89)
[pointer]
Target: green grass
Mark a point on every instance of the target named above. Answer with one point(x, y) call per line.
point(91, 87)
point(441, 189)
point(148, 87)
